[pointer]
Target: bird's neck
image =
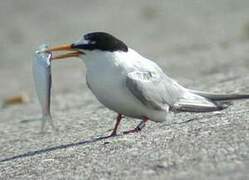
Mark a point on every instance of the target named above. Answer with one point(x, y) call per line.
point(103, 58)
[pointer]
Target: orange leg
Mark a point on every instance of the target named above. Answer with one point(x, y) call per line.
point(118, 120)
point(139, 127)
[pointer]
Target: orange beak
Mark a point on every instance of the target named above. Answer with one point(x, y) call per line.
point(68, 47)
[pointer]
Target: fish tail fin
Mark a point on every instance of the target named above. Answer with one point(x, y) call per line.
point(47, 118)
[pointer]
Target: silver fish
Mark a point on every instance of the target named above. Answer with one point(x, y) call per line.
point(43, 82)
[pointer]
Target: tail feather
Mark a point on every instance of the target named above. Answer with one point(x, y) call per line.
point(200, 101)
point(222, 105)
point(220, 97)
point(217, 106)
point(196, 103)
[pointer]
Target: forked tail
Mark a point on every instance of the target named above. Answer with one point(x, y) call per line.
point(200, 101)
point(220, 97)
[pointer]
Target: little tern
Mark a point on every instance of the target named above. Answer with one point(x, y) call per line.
point(134, 86)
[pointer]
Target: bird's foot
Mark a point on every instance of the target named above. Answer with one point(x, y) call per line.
point(114, 131)
point(113, 134)
point(132, 131)
point(139, 127)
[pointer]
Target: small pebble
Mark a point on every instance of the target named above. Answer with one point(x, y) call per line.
point(14, 100)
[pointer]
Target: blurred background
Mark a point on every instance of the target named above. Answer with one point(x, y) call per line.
point(189, 38)
point(204, 44)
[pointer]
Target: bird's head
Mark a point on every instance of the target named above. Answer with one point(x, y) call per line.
point(90, 43)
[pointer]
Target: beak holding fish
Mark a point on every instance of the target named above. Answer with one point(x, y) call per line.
point(43, 77)
point(72, 51)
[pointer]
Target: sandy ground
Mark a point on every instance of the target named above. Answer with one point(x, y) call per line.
point(203, 44)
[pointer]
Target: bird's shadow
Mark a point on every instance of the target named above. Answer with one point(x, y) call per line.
point(84, 142)
point(63, 146)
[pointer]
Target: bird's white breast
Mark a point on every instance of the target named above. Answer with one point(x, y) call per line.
point(106, 77)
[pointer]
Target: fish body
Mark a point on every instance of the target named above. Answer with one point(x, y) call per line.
point(43, 81)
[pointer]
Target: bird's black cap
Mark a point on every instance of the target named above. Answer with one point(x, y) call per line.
point(100, 41)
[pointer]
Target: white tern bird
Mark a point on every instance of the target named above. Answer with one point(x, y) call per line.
point(134, 86)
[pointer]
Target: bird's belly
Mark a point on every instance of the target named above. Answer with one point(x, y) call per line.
point(114, 94)
point(117, 100)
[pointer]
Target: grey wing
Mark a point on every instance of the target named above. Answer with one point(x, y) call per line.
point(156, 90)
point(153, 89)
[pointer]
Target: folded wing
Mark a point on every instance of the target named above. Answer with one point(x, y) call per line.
point(155, 90)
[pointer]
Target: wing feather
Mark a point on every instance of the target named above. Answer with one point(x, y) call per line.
point(156, 91)
point(152, 90)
